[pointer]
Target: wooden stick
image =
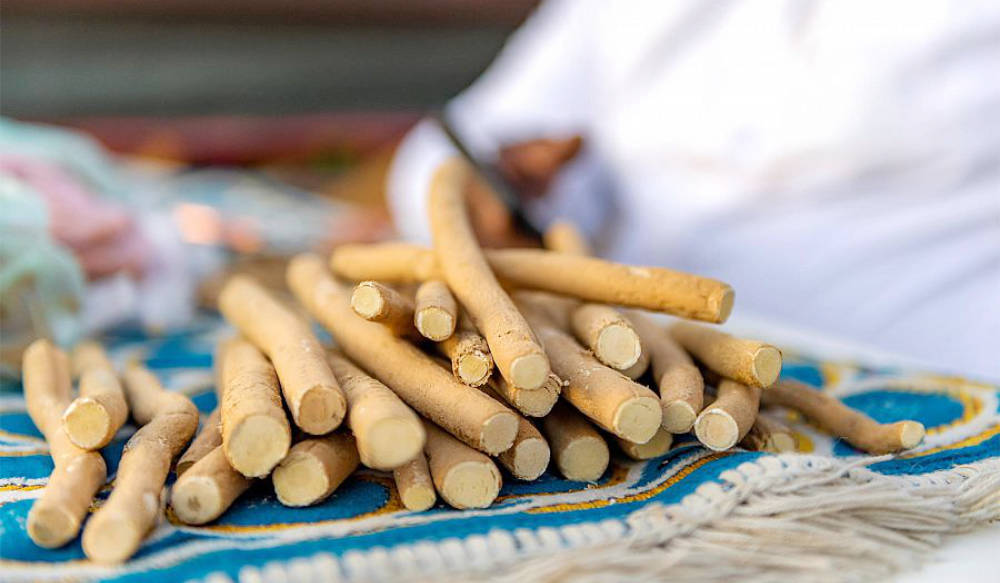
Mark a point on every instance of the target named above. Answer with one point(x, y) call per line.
point(604, 395)
point(564, 237)
point(835, 417)
point(517, 354)
point(167, 421)
point(255, 431)
point(471, 361)
point(650, 288)
point(769, 435)
point(747, 361)
point(640, 367)
point(579, 451)
point(724, 422)
point(316, 402)
point(657, 446)
point(209, 485)
point(682, 388)
point(55, 518)
point(205, 441)
point(314, 468)
point(528, 457)
point(536, 403)
point(608, 334)
point(464, 477)
point(380, 303)
point(93, 418)
point(389, 434)
point(414, 483)
point(465, 412)
point(436, 312)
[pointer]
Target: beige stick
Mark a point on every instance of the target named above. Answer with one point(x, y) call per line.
point(209, 485)
point(657, 446)
point(436, 311)
point(389, 434)
point(167, 421)
point(55, 518)
point(256, 434)
point(724, 422)
point(380, 303)
point(528, 457)
point(579, 451)
point(463, 477)
point(93, 418)
point(471, 361)
point(563, 237)
point(414, 483)
point(682, 388)
point(608, 334)
point(311, 392)
point(640, 367)
point(314, 468)
point(834, 416)
point(770, 435)
point(517, 354)
point(207, 439)
point(535, 403)
point(465, 412)
point(747, 361)
point(650, 288)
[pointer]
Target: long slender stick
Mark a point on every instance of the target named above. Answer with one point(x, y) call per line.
point(93, 418)
point(464, 477)
point(579, 451)
point(724, 422)
point(314, 468)
point(436, 311)
point(748, 361)
point(414, 483)
point(209, 485)
point(205, 441)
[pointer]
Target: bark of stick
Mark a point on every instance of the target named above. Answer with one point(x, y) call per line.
point(207, 439)
point(93, 418)
point(579, 450)
point(314, 468)
point(414, 484)
point(724, 422)
point(207, 489)
point(747, 361)
point(436, 312)
point(464, 477)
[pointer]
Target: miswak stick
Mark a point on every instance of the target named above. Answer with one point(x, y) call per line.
point(724, 422)
point(93, 418)
point(55, 518)
point(380, 303)
point(579, 451)
point(465, 412)
point(255, 432)
point(414, 483)
point(657, 446)
point(515, 350)
point(205, 441)
point(436, 311)
point(838, 419)
point(388, 433)
point(607, 397)
point(528, 456)
point(471, 361)
point(769, 435)
point(564, 237)
point(650, 288)
point(314, 468)
point(316, 402)
point(167, 422)
point(747, 361)
point(535, 403)
point(640, 367)
point(682, 388)
point(608, 334)
point(464, 477)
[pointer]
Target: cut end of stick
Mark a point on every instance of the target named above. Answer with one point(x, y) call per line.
point(367, 302)
point(911, 433)
point(196, 500)
point(536, 403)
point(618, 346)
point(471, 484)
point(434, 323)
point(112, 540)
point(678, 416)
point(657, 446)
point(391, 443)
point(716, 429)
point(51, 526)
point(300, 480)
point(474, 368)
point(87, 423)
point(531, 457)
point(781, 443)
point(498, 433)
point(257, 444)
point(584, 459)
point(724, 300)
point(321, 409)
point(637, 419)
point(529, 371)
point(767, 365)
point(418, 497)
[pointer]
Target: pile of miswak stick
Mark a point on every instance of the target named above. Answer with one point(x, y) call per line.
point(450, 364)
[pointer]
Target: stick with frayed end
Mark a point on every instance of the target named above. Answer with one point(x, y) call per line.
point(750, 362)
point(209, 485)
point(724, 422)
point(380, 303)
point(414, 483)
point(93, 418)
point(314, 468)
point(471, 361)
point(579, 451)
point(463, 477)
point(436, 312)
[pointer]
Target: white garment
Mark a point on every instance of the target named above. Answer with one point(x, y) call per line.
point(836, 161)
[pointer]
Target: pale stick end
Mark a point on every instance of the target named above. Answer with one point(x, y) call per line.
point(498, 433)
point(474, 368)
point(51, 526)
point(537, 403)
point(434, 323)
point(471, 484)
point(767, 365)
point(584, 459)
point(392, 442)
point(657, 446)
point(366, 301)
point(418, 497)
point(618, 346)
point(911, 433)
point(725, 298)
point(257, 444)
point(678, 416)
point(320, 410)
point(196, 500)
point(86, 423)
point(637, 419)
point(716, 429)
point(299, 480)
point(781, 443)
point(529, 371)
point(531, 457)
point(111, 539)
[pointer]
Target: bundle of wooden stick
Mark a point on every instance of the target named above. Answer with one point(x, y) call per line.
point(411, 387)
